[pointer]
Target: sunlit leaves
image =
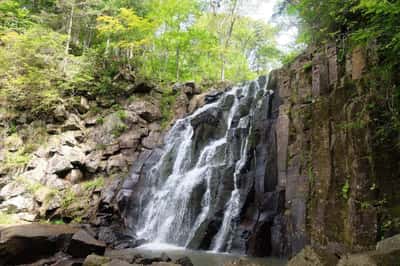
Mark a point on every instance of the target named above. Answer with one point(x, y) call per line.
point(126, 30)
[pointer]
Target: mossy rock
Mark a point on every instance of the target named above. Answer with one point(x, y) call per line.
point(313, 257)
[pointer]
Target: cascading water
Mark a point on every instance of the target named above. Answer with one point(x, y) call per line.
point(193, 196)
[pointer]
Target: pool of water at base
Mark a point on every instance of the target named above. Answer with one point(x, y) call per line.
point(203, 258)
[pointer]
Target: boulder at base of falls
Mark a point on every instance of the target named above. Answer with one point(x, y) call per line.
point(372, 258)
point(83, 244)
point(389, 244)
point(184, 261)
point(94, 260)
point(387, 253)
point(29, 243)
point(129, 257)
point(242, 262)
point(310, 256)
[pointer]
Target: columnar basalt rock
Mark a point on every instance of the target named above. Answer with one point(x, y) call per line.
point(325, 153)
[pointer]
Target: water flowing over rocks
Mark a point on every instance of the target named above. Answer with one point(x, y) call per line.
point(209, 186)
point(271, 166)
point(280, 166)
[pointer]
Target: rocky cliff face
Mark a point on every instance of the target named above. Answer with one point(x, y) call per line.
point(67, 167)
point(341, 186)
point(314, 171)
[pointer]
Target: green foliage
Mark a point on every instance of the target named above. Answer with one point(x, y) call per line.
point(30, 69)
point(96, 183)
point(166, 106)
point(290, 57)
point(100, 120)
point(373, 25)
point(119, 129)
point(345, 190)
point(307, 66)
point(122, 114)
point(68, 197)
point(14, 160)
point(57, 221)
point(6, 218)
point(51, 50)
point(13, 17)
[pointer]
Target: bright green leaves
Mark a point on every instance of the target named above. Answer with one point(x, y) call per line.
point(30, 69)
point(382, 24)
point(127, 30)
point(51, 49)
point(13, 16)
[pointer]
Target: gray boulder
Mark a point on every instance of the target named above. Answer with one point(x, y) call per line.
point(373, 258)
point(313, 257)
point(146, 110)
point(59, 165)
point(28, 243)
point(75, 176)
point(83, 244)
point(95, 260)
point(389, 244)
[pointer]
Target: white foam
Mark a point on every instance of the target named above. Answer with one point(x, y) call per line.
point(159, 247)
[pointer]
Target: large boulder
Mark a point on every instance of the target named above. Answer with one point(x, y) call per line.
point(95, 260)
point(28, 243)
point(75, 176)
point(389, 244)
point(373, 258)
point(142, 87)
point(74, 155)
point(180, 106)
point(146, 110)
point(184, 261)
point(164, 263)
point(153, 140)
point(117, 163)
point(73, 123)
point(83, 244)
point(12, 189)
point(313, 257)
point(83, 106)
point(20, 203)
point(59, 165)
point(196, 102)
point(119, 263)
point(127, 255)
point(242, 262)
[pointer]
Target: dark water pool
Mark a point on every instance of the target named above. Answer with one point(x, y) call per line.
point(202, 258)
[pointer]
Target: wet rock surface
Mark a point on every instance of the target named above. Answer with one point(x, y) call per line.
point(260, 201)
point(44, 244)
point(28, 243)
point(307, 179)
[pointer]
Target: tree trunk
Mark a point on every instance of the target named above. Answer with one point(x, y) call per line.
point(228, 37)
point(177, 63)
point(69, 35)
point(222, 68)
point(107, 47)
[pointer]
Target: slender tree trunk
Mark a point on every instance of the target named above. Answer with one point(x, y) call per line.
point(222, 67)
point(107, 46)
point(69, 35)
point(228, 38)
point(177, 63)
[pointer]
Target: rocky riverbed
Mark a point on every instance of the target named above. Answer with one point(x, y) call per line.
point(56, 245)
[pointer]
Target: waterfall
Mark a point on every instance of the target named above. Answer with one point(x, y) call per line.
point(194, 194)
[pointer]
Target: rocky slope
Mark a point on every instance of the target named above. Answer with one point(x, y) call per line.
point(55, 169)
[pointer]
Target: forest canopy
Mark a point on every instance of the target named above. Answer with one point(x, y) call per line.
point(50, 48)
